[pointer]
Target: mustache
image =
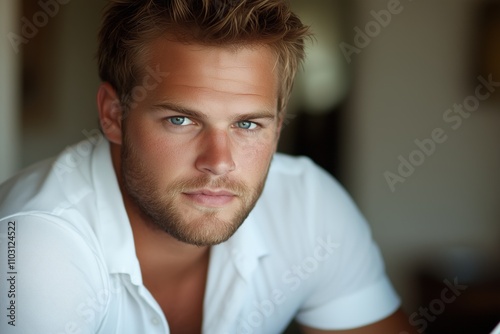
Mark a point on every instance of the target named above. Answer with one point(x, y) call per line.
point(207, 182)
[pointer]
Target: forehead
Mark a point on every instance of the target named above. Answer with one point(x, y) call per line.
point(242, 69)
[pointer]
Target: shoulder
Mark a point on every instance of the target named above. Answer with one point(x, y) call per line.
point(303, 194)
point(293, 166)
point(303, 207)
point(302, 176)
point(17, 192)
point(46, 186)
point(304, 214)
point(321, 248)
point(45, 241)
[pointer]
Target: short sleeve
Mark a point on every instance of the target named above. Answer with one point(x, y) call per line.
point(55, 281)
point(352, 290)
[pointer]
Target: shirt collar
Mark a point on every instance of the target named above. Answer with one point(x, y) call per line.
point(114, 231)
point(246, 247)
point(232, 267)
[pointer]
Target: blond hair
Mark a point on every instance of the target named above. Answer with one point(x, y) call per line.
point(129, 25)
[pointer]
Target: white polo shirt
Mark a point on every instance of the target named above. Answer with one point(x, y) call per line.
point(68, 257)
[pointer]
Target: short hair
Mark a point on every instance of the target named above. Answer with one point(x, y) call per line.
point(129, 25)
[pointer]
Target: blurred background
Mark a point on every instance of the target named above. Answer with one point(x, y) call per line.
point(388, 103)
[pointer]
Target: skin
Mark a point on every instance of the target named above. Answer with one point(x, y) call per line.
point(199, 143)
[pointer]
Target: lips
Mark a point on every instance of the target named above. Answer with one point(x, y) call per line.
point(211, 198)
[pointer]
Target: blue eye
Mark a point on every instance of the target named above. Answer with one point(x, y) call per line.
point(180, 120)
point(246, 125)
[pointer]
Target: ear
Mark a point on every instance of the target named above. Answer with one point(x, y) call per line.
point(110, 113)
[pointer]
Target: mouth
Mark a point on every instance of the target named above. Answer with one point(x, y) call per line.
point(210, 198)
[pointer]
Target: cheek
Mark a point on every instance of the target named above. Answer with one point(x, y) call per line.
point(166, 154)
point(159, 152)
point(255, 158)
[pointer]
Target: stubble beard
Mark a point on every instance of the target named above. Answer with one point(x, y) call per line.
point(158, 203)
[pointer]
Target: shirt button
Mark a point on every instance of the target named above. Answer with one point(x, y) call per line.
point(155, 321)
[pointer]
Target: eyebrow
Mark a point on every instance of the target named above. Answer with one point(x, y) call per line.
point(168, 106)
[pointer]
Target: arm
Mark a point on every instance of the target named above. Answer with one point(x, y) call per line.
point(397, 323)
point(55, 284)
point(352, 289)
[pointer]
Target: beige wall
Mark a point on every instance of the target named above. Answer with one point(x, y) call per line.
point(70, 78)
point(420, 65)
point(9, 92)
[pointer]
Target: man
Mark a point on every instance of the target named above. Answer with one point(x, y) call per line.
point(184, 220)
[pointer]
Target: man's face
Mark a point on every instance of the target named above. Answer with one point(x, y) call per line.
point(197, 148)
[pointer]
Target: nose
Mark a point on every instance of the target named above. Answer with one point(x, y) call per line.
point(215, 156)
